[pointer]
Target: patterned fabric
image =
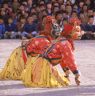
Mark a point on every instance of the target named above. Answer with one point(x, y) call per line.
point(73, 32)
point(14, 66)
point(75, 20)
point(55, 52)
point(41, 71)
point(63, 50)
point(42, 74)
point(68, 58)
point(37, 45)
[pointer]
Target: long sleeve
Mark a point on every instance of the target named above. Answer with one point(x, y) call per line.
point(68, 59)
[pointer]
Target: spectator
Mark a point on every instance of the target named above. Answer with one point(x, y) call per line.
point(2, 28)
point(29, 3)
point(22, 9)
point(4, 14)
point(85, 12)
point(10, 29)
point(55, 9)
point(37, 9)
point(49, 8)
point(35, 18)
point(59, 18)
point(94, 18)
point(42, 2)
point(83, 18)
point(56, 4)
point(20, 26)
point(68, 2)
point(1, 1)
point(85, 8)
point(65, 15)
point(15, 5)
point(62, 7)
point(90, 3)
point(90, 12)
point(81, 4)
point(61, 2)
point(30, 28)
point(74, 14)
point(33, 10)
point(75, 8)
point(89, 28)
point(69, 10)
point(82, 9)
point(42, 7)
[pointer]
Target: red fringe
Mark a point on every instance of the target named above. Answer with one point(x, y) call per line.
point(24, 56)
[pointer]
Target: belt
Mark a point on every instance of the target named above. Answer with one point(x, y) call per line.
point(41, 55)
point(52, 58)
point(30, 53)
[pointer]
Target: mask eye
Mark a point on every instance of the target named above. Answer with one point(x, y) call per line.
point(55, 25)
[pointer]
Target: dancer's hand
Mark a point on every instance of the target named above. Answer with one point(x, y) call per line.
point(77, 79)
point(67, 73)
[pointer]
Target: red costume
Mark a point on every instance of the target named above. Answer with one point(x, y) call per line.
point(72, 31)
point(37, 45)
point(56, 51)
point(62, 50)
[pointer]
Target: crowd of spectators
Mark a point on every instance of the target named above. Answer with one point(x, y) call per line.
point(23, 18)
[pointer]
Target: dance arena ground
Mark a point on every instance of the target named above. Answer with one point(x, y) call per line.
point(85, 57)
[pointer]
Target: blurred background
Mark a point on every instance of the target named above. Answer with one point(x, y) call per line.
point(23, 18)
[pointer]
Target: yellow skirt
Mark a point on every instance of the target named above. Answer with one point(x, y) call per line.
point(14, 66)
point(24, 75)
point(40, 73)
